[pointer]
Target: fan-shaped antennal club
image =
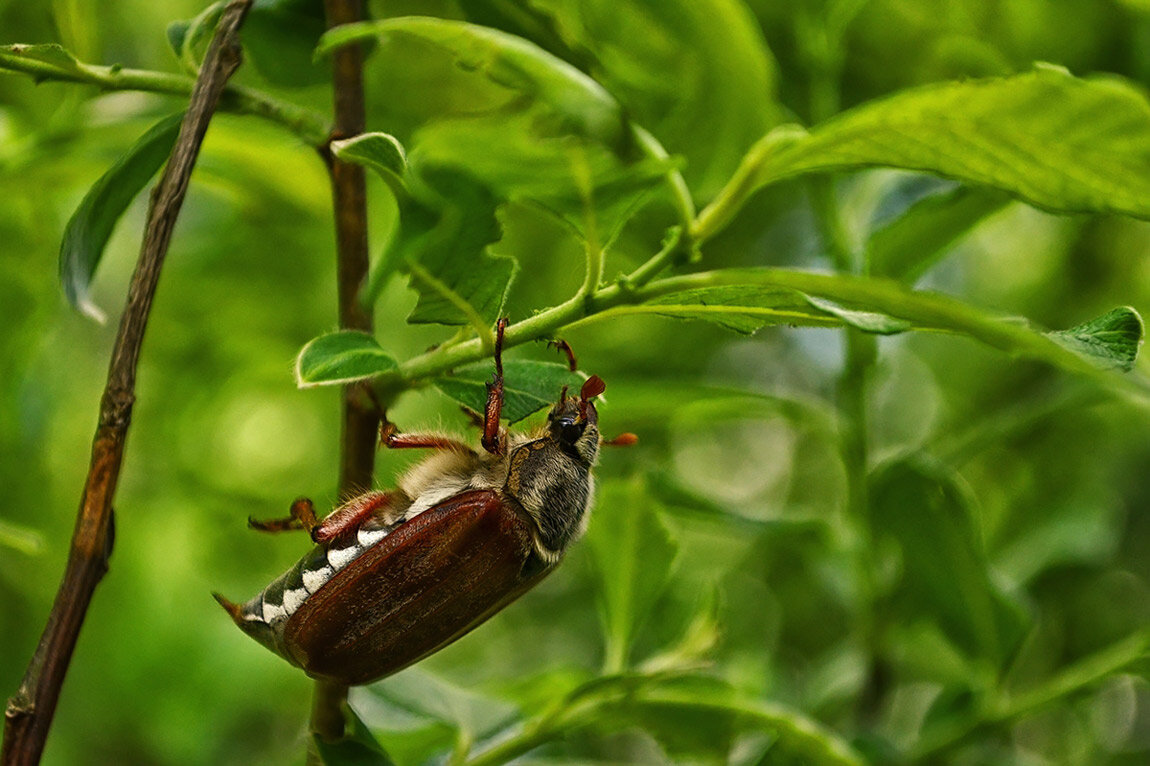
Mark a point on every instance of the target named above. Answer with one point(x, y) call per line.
point(592, 387)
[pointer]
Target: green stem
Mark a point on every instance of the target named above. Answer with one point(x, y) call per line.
point(676, 184)
point(860, 353)
point(731, 198)
point(1074, 679)
point(927, 311)
point(673, 245)
point(584, 705)
point(592, 245)
point(308, 125)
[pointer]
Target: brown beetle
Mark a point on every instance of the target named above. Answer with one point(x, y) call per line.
point(397, 575)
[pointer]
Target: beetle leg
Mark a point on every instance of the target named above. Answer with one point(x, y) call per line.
point(302, 517)
point(390, 437)
point(564, 348)
point(350, 516)
point(472, 416)
point(622, 440)
point(491, 441)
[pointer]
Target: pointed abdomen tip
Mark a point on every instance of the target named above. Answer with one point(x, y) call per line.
point(231, 608)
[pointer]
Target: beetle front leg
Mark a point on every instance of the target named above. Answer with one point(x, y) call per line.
point(302, 517)
point(390, 437)
point(491, 441)
point(564, 348)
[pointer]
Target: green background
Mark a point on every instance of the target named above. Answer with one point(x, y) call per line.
point(1053, 471)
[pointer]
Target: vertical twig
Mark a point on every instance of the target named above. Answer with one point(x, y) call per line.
point(349, 197)
point(29, 712)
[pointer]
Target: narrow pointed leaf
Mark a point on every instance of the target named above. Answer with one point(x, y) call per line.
point(867, 321)
point(742, 308)
point(528, 386)
point(91, 225)
point(946, 574)
point(634, 554)
point(1111, 341)
point(747, 308)
point(177, 34)
point(341, 357)
point(912, 243)
point(41, 61)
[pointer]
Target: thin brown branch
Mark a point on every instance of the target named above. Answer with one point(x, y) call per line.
point(349, 198)
point(29, 712)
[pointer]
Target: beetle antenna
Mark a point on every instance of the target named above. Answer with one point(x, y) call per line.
point(592, 387)
point(563, 395)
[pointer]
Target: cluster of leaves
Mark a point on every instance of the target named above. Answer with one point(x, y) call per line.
point(566, 109)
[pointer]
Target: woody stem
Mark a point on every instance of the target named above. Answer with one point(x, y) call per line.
point(359, 421)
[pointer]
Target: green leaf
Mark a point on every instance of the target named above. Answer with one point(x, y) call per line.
point(358, 748)
point(189, 39)
point(575, 102)
point(658, 56)
point(279, 38)
point(695, 716)
point(921, 309)
point(177, 34)
point(341, 357)
point(944, 568)
point(528, 386)
point(424, 695)
point(380, 152)
point(91, 225)
point(445, 228)
point(1111, 341)
point(520, 122)
point(1058, 142)
point(867, 321)
point(48, 59)
point(634, 555)
point(913, 242)
point(682, 701)
point(747, 308)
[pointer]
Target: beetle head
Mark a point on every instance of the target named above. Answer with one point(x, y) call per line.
point(574, 422)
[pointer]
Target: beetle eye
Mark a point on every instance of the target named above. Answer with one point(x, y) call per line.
point(569, 430)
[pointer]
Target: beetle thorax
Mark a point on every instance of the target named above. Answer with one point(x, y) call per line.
point(555, 488)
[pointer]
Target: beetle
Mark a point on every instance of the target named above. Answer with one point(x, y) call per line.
point(395, 576)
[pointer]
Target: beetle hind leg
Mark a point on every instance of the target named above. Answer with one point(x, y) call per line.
point(352, 515)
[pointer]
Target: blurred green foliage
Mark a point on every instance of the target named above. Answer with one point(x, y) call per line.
point(913, 547)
